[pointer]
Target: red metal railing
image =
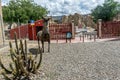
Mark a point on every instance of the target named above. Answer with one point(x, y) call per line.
point(58, 31)
point(21, 32)
point(110, 29)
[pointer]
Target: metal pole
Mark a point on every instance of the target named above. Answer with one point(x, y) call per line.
point(2, 27)
point(33, 31)
point(3, 36)
point(27, 30)
point(19, 30)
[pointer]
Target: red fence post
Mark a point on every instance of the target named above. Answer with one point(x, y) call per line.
point(73, 29)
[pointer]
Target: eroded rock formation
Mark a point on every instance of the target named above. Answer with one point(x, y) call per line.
point(80, 20)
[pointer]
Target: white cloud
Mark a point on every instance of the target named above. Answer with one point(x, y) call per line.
point(61, 7)
point(69, 6)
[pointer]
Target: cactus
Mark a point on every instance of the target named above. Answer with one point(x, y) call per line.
point(24, 63)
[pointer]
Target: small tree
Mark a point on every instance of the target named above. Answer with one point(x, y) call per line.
point(107, 11)
point(23, 10)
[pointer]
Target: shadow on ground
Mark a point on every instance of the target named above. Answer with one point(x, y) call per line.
point(118, 39)
point(33, 50)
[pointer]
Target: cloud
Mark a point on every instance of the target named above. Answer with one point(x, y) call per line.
point(65, 7)
point(4, 2)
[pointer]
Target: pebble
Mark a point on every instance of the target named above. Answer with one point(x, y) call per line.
point(79, 61)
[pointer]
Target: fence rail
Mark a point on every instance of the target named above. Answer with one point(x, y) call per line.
point(58, 31)
point(110, 29)
point(21, 31)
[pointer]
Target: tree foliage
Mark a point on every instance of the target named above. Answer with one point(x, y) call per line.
point(107, 11)
point(22, 10)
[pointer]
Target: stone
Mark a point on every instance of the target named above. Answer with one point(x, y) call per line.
point(79, 20)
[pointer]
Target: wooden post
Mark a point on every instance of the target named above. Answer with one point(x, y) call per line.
point(83, 37)
point(100, 25)
point(66, 40)
point(73, 29)
point(94, 37)
point(57, 32)
point(87, 35)
point(57, 38)
point(80, 37)
point(90, 36)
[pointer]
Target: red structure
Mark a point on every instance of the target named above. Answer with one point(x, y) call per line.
point(57, 31)
point(32, 30)
point(110, 29)
point(27, 31)
point(21, 32)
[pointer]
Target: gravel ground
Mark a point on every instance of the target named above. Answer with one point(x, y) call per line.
point(79, 61)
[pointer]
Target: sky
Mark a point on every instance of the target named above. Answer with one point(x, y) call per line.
point(66, 7)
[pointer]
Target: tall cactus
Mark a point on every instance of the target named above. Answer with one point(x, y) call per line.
point(24, 63)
